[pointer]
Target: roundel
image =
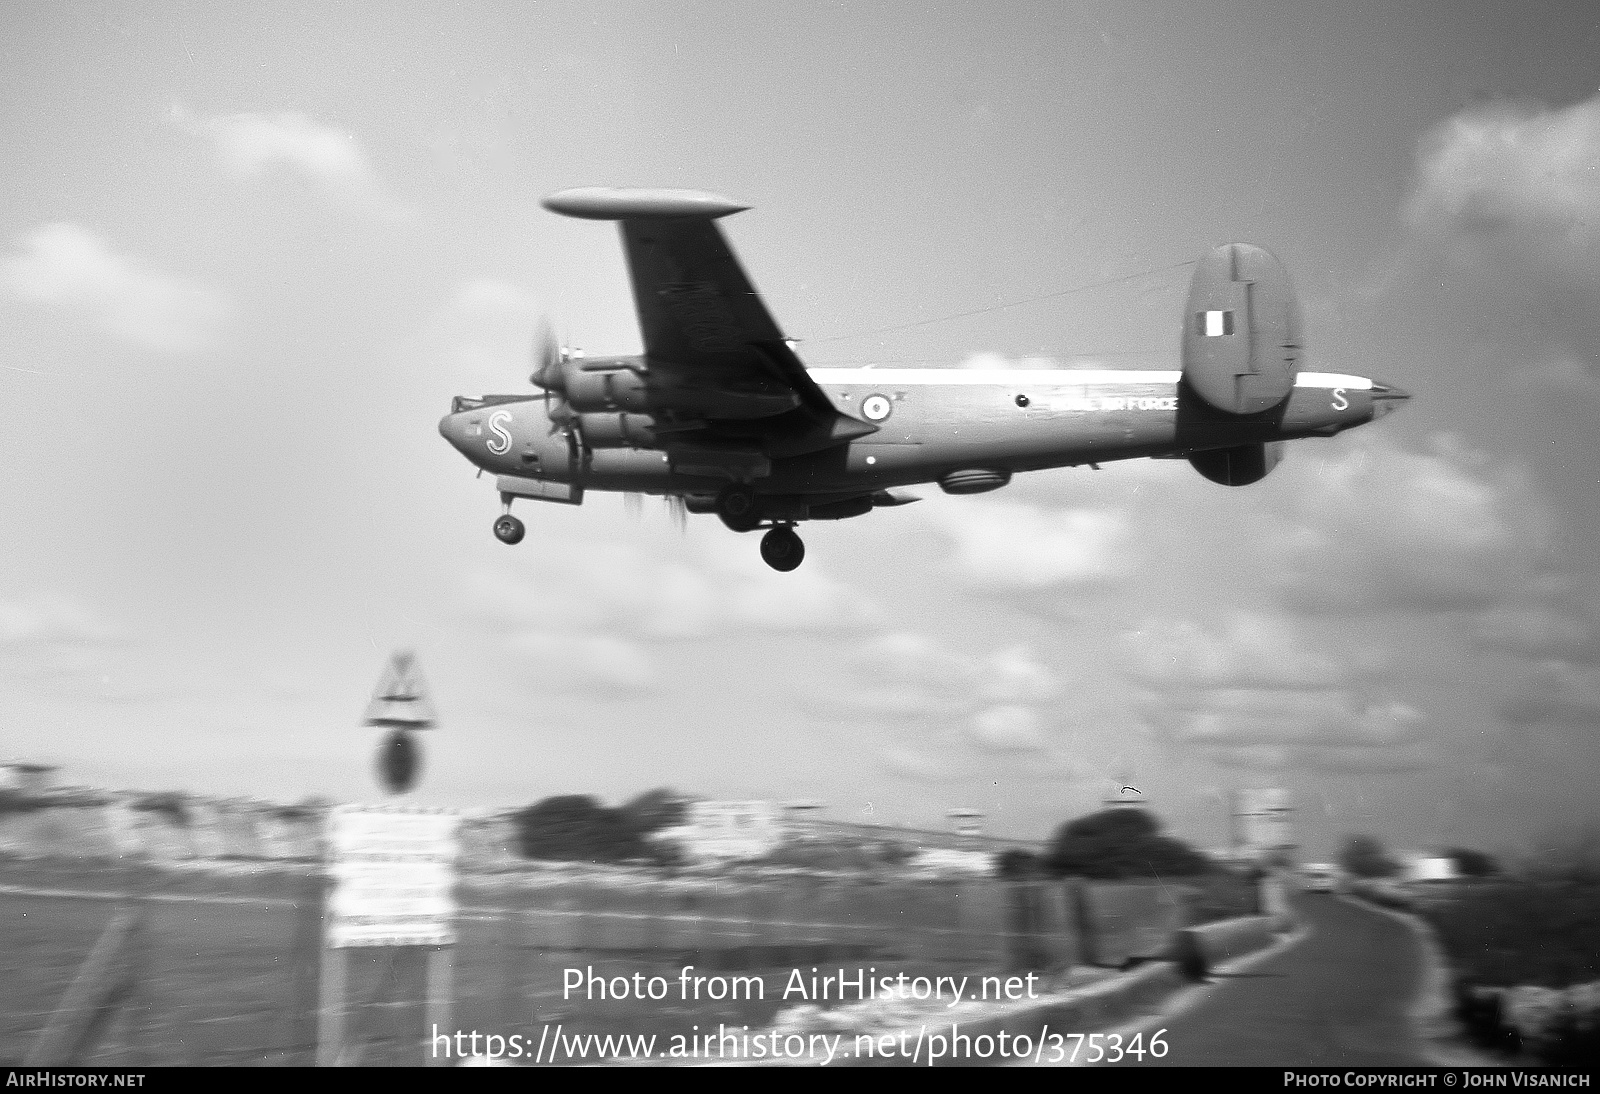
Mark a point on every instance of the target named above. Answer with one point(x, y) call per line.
point(875, 408)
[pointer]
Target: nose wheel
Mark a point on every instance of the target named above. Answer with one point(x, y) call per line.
point(782, 549)
point(508, 529)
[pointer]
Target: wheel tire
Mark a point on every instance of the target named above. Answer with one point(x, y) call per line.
point(739, 508)
point(509, 530)
point(782, 549)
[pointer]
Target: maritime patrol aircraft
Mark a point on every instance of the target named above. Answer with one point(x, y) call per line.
point(720, 413)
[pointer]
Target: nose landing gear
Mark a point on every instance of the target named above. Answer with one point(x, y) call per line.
point(782, 549)
point(508, 529)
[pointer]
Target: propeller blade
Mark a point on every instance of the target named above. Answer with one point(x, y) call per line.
point(546, 355)
point(678, 511)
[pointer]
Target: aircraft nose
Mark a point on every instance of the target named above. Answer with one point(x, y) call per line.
point(453, 428)
point(1387, 398)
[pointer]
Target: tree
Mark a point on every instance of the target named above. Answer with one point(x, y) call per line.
point(654, 810)
point(1470, 863)
point(1364, 856)
point(1016, 864)
point(577, 828)
point(1121, 843)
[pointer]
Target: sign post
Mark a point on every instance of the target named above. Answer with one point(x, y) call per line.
point(393, 874)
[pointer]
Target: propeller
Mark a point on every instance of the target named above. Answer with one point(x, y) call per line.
point(678, 512)
point(548, 357)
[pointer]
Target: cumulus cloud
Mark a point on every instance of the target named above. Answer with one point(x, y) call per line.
point(946, 710)
point(911, 676)
point(1007, 729)
point(1551, 636)
point(1541, 633)
point(1249, 649)
point(325, 157)
point(1016, 546)
point(1555, 692)
point(71, 269)
point(601, 613)
point(1255, 692)
point(618, 588)
point(1510, 191)
point(1375, 527)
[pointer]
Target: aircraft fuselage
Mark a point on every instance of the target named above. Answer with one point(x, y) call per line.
point(930, 422)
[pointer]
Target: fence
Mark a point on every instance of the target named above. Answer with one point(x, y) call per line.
point(228, 965)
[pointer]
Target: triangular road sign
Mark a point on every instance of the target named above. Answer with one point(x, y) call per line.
point(401, 697)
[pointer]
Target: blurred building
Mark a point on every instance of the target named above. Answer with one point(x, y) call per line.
point(1260, 825)
point(714, 830)
point(26, 778)
point(1425, 866)
point(966, 823)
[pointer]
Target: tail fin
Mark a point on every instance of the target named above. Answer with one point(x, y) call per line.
point(1242, 342)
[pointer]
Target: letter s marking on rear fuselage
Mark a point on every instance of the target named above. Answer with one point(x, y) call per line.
point(1339, 401)
point(496, 423)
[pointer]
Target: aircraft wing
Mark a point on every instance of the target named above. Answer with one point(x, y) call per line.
point(717, 360)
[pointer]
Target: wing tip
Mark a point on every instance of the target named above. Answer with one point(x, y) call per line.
point(624, 203)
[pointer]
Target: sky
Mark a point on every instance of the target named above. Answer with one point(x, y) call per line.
point(248, 253)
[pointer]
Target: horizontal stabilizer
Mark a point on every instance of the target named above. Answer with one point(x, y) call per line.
point(617, 203)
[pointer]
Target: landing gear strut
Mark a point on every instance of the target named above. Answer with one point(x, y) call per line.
point(782, 549)
point(507, 528)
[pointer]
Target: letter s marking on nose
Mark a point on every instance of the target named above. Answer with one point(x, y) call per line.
point(1339, 401)
point(497, 422)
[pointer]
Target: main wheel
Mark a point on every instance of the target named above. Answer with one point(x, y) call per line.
point(508, 529)
point(739, 508)
point(782, 549)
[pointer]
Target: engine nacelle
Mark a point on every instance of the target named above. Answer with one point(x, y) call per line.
point(616, 430)
point(589, 390)
point(1241, 335)
point(1240, 465)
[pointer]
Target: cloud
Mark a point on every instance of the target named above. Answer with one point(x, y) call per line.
point(69, 268)
point(989, 360)
point(610, 666)
point(1555, 692)
point(326, 158)
point(1006, 729)
point(1508, 194)
point(52, 621)
point(596, 615)
point(1255, 692)
point(1551, 636)
point(1246, 650)
point(1374, 527)
point(1541, 633)
point(57, 648)
point(1011, 545)
point(957, 711)
point(911, 676)
point(485, 331)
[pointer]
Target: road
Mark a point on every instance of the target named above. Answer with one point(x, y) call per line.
point(1339, 998)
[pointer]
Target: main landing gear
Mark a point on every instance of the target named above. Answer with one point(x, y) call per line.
point(741, 510)
point(782, 549)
